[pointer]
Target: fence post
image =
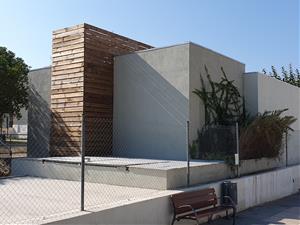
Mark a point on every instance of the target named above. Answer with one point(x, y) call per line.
point(286, 149)
point(82, 162)
point(237, 155)
point(188, 154)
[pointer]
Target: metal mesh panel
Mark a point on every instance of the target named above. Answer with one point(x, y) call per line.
point(45, 182)
point(216, 142)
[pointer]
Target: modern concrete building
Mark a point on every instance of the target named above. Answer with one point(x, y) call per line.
point(154, 99)
point(151, 91)
point(148, 94)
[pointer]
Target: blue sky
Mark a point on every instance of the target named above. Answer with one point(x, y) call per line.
point(259, 33)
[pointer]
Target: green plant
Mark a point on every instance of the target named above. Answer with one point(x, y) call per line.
point(291, 76)
point(224, 106)
point(193, 149)
point(222, 101)
point(263, 137)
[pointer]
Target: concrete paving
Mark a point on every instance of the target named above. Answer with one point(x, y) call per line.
point(283, 211)
point(31, 200)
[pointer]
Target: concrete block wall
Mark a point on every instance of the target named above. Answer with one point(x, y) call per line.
point(263, 93)
point(151, 91)
point(39, 113)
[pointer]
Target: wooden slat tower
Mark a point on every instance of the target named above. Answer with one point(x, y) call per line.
point(82, 82)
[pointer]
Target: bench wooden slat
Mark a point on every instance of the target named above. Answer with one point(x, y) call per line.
point(204, 202)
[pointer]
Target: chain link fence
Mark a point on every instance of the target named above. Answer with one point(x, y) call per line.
point(87, 166)
point(216, 143)
point(93, 164)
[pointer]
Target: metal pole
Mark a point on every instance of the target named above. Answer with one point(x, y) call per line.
point(7, 127)
point(237, 148)
point(286, 150)
point(188, 154)
point(82, 163)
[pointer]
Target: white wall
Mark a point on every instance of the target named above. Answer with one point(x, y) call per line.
point(199, 58)
point(264, 93)
point(151, 90)
point(153, 98)
point(252, 190)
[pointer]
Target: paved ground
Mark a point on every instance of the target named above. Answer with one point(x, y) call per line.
point(29, 200)
point(283, 211)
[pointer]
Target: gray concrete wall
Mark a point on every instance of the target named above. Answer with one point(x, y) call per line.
point(151, 90)
point(153, 98)
point(39, 112)
point(199, 58)
point(252, 191)
point(264, 93)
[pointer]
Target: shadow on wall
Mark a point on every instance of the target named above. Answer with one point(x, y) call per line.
point(150, 114)
point(38, 125)
point(65, 140)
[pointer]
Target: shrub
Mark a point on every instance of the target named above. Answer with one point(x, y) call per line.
point(263, 137)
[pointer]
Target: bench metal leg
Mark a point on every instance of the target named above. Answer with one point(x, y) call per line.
point(227, 217)
point(233, 216)
point(173, 220)
point(210, 219)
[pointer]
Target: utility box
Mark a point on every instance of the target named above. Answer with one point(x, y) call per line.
point(229, 189)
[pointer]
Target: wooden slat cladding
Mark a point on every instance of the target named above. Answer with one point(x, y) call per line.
point(82, 82)
point(100, 49)
point(67, 91)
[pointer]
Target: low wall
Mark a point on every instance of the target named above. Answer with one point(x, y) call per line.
point(160, 175)
point(251, 166)
point(252, 190)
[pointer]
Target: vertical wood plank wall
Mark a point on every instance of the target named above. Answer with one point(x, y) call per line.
point(82, 82)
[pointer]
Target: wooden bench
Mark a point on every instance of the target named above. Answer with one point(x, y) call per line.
point(200, 204)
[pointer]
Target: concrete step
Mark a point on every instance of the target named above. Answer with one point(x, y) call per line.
point(143, 173)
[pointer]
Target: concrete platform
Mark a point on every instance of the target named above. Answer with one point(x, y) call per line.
point(143, 173)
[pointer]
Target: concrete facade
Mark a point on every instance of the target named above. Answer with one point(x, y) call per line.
point(151, 91)
point(263, 93)
point(154, 99)
point(39, 113)
point(199, 58)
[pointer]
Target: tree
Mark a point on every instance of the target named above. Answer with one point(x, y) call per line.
point(290, 76)
point(13, 84)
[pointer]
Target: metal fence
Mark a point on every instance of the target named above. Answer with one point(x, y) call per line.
point(108, 159)
point(88, 169)
point(94, 168)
